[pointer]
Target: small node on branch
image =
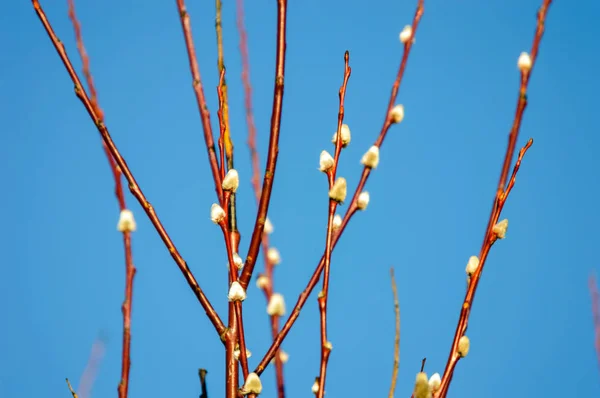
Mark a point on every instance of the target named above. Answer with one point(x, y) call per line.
point(217, 214)
point(126, 221)
point(325, 162)
point(237, 352)
point(397, 113)
point(463, 346)
point(315, 386)
point(363, 200)
point(231, 181)
point(237, 261)
point(422, 387)
point(472, 265)
point(276, 306)
point(252, 385)
point(524, 62)
point(435, 381)
point(346, 137)
point(371, 158)
point(236, 292)
point(268, 227)
point(328, 346)
point(337, 222)
point(338, 190)
point(500, 229)
point(406, 34)
point(273, 256)
point(262, 282)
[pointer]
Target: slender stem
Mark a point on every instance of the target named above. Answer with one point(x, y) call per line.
point(499, 201)
point(133, 185)
point(129, 267)
point(324, 295)
point(273, 151)
point(255, 179)
point(396, 366)
point(200, 98)
point(352, 208)
point(241, 339)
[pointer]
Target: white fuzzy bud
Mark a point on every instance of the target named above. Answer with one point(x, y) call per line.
point(325, 162)
point(276, 306)
point(283, 356)
point(371, 157)
point(406, 34)
point(472, 265)
point(236, 292)
point(435, 381)
point(217, 214)
point(363, 200)
point(463, 346)
point(273, 256)
point(231, 182)
point(268, 229)
point(315, 386)
point(524, 62)
point(252, 385)
point(262, 281)
point(346, 137)
point(500, 229)
point(237, 261)
point(422, 388)
point(337, 221)
point(397, 113)
point(126, 221)
point(338, 190)
point(237, 352)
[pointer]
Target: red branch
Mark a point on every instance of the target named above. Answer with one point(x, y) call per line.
point(269, 266)
point(200, 98)
point(129, 267)
point(273, 151)
point(596, 315)
point(499, 201)
point(133, 185)
point(331, 174)
point(352, 208)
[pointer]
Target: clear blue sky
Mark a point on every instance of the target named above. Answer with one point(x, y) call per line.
point(62, 276)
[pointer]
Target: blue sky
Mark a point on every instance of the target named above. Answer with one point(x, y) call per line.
point(63, 274)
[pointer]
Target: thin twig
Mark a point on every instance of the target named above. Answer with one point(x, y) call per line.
point(397, 335)
point(499, 201)
point(71, 388)
point(225, 136)
point(268, 289)
point(596, 314)
point(129, 267)
point(352, 208)
point(331, 175)
point(204, 391)
point(273, 150)
point(91, 369)
point(200, 98)
point(133, 185)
